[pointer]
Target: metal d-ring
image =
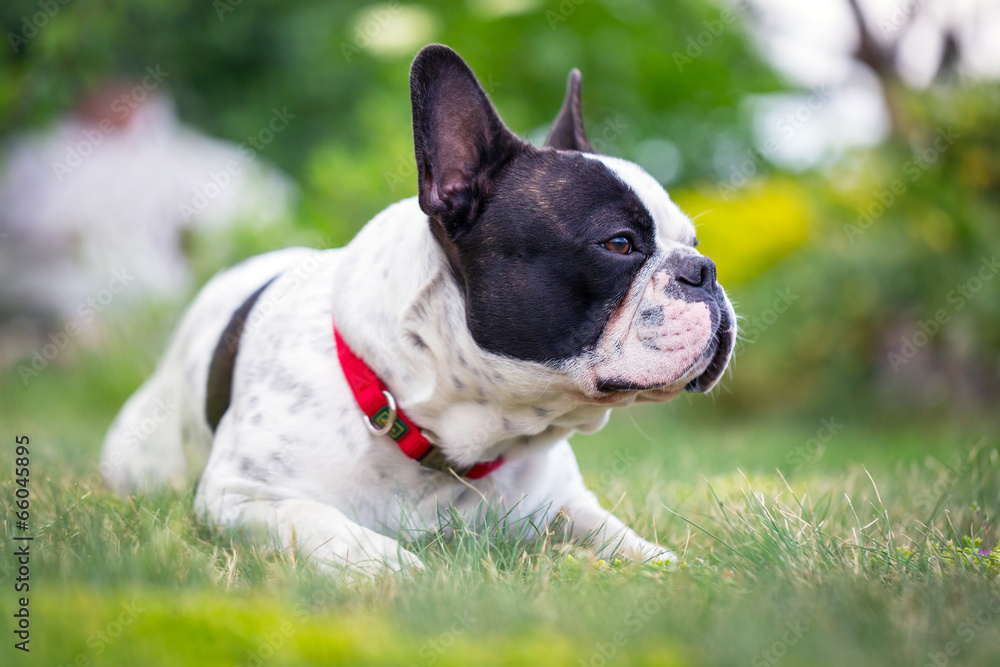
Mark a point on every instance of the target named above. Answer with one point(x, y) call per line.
point(389, 422)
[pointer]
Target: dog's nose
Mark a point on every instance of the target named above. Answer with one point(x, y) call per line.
point(697, 271)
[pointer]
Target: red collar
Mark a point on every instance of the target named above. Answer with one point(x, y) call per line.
point(383, 417)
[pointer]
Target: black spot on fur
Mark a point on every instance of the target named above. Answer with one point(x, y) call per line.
point(650, 344)
point(219, 388)
point(253, 471)
point(278, 462)
point(651, 317)
point(416, 341)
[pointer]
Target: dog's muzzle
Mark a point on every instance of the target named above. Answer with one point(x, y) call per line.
point(676, 332)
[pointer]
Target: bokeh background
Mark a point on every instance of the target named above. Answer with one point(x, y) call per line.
point(841, 159)
point(781, 129)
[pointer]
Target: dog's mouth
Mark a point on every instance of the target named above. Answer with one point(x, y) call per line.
point(707, 370)
point(724, 341)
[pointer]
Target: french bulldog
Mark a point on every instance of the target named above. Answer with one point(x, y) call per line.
point(340, 399)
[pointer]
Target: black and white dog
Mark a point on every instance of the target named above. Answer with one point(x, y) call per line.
point(339, 398)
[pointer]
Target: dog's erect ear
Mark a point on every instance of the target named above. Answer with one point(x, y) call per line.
point(459, 139)
point(567, 132)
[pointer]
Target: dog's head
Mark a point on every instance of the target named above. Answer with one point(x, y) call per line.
point(567, 258)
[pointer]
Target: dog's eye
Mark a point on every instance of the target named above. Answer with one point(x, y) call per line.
point(619, 244)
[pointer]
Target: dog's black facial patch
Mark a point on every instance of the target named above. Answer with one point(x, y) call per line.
point(539, 282)
point(544, 242)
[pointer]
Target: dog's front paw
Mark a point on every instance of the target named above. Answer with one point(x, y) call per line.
point(359, 567)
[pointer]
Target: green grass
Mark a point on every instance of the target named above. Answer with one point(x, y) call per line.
point(865, 550)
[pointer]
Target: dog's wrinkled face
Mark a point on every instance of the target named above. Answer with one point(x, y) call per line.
point(675, 327)
point(567, 258)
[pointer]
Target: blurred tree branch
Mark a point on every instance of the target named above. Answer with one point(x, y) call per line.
point(881, 58)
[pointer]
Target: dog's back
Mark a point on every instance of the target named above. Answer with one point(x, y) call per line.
point(162, 435)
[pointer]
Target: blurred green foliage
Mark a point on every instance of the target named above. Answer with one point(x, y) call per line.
point(898, 312)
point(341, 69)
point(229, 64)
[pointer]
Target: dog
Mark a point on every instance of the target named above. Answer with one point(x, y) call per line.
point(339, 399)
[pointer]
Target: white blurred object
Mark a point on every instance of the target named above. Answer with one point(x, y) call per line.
point(115, 187)
point(814, 44)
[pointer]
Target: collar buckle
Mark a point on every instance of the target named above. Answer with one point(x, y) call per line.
point(390, 420)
